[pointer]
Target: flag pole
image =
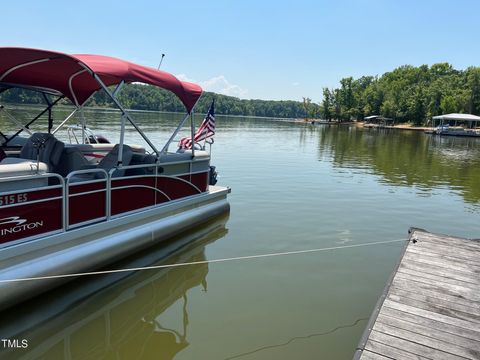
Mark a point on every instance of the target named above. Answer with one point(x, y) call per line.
point(205, 130)
point(192, 133)
point(205, 140)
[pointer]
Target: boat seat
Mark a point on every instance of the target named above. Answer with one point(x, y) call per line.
point(104, 148)
point(110, 160)
point(72, 159)
point(183, 156)
point(44, 146)
point(11, 167)
point(141, 159)
point(107, 163)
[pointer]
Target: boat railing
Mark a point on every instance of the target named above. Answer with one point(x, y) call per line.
point(23, 206)
point(95, 195)
point(19, 178)
point(83, 188)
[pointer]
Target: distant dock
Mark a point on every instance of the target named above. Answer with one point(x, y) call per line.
point(397, 127)
point(430, 308)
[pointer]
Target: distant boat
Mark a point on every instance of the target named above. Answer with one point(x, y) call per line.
point(446, 129)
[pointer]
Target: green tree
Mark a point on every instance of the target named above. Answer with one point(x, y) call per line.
point(448, 104)
point(346, 99)
point(416, 109)
point(327, 104)
point(306, 105)
point(473, 86)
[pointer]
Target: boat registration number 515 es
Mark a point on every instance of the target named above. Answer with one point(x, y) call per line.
point(13, 199)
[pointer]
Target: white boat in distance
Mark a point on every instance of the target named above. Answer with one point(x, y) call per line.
point(468, 126)
point(60, 214)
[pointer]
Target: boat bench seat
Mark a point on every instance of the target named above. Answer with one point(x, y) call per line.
point(103, 148)
point(183, 156)
point(139, 159)
point(14, 167)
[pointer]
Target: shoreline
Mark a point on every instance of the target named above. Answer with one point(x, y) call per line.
point(397, 127)
point(404, 126)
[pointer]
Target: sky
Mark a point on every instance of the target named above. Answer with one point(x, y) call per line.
point(254, 49)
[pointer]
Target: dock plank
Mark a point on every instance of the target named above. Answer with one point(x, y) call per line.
point(464, 290)
point(450, 240)
point(431, 306)
point(429, 331)
point(368, 355)
point(438, 309)
point(450, 257)
point(439, 248)
point(417, 268)
point(436, 301)
point(412, 347)
point(428, 314)
point(428, 277)
point(432, 290)
point(379, 348)
point(431, 342)
point(470, 334)
point(469, 263)
point(456, 266)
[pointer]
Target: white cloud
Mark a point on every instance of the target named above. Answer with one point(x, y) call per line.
point(184, 77)
point(218, 84)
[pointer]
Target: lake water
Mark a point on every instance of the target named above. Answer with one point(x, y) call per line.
point(294, 187)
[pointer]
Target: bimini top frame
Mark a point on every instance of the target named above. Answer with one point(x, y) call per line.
point(78, 77)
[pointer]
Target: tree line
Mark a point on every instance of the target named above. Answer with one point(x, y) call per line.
point(147, 97)
point(406, 94)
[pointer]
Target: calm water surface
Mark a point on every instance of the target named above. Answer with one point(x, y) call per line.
point(294, 187)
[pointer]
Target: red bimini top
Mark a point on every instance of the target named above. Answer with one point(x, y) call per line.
point(72, 75)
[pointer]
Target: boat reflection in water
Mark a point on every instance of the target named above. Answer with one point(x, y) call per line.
point(117, 315)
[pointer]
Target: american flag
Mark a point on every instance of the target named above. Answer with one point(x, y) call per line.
point(206, 130)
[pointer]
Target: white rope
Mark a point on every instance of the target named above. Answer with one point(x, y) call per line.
point(247, 257)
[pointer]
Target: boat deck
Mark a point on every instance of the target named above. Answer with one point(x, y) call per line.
point(430, 308)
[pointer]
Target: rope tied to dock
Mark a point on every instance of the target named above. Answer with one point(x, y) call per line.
point(213, 261)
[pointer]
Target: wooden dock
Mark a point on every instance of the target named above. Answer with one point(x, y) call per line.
point(430, 308)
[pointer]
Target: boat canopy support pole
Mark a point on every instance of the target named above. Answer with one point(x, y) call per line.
point(15, 121)
point(192, 134)
point(118, 88)
point(3, 135)
point(64, 121)
point(84, 124)
point(122, 139)
point(180, 125)
point(48, 108)
point(69, 116)
point(124, 112)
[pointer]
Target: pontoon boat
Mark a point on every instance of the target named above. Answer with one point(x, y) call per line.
point(61, 214)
